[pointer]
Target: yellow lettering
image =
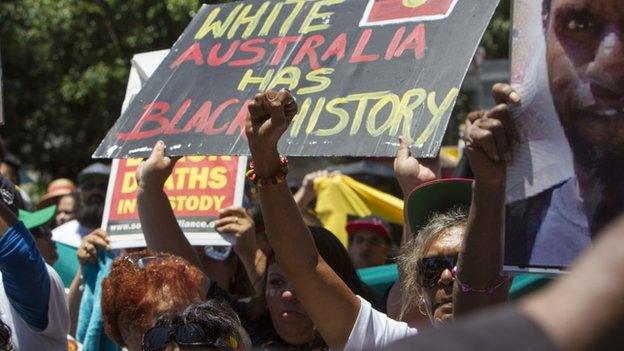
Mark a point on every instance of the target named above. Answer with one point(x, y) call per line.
point(248, 78)
point(318, 108)
point(407, 109)
point(218, 178)
point(192, 203)
point(198, 177)
point(270, 20)
point(126, 206)
point(393, 119)
point(307, 26)
point(217, 27)
point(181, 176)
point(362, 100)
point(205, 203)
point(437, 112)
point(218, 201)
point(291, 17)
point(288, 76)
point(250, 21)
point(342, 114)
point(129, 183)
point(316, 76)
point(298, 119)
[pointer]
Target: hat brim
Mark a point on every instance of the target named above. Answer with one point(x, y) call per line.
point(355, 226)
point(38, 218)
point(49, 198)
point(437, 196)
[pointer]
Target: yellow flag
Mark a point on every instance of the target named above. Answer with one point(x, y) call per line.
point(340, 196)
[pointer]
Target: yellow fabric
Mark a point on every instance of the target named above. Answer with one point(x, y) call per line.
point(340, 196)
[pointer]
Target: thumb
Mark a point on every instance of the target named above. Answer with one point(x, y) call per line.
point(403, 153)
point(159, 150)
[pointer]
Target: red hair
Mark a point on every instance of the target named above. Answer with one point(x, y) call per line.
point(130, 294)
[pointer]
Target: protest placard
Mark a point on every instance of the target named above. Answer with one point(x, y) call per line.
point(363, 71)
point(197, 189)
point(565, 182)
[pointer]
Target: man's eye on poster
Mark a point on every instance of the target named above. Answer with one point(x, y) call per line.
point(567, 179)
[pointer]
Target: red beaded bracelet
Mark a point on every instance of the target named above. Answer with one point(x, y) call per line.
point(278, 178)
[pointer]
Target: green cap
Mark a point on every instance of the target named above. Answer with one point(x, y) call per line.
point(437, 196)
point(38, 218)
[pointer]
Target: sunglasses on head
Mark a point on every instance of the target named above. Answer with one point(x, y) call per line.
point(431, 268)
point(186, 335)
point(144, 261)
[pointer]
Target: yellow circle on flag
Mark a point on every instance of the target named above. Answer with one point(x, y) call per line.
point(413, 3)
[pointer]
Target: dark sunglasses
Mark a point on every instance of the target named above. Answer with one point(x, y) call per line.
point(430, 269)
point(187, 335)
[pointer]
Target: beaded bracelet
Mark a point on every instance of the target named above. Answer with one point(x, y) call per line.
point(466, 288)
point(278, 178)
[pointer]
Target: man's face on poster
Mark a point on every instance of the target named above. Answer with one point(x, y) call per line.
point(585, 57)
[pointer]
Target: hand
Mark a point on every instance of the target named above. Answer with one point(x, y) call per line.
point(411, 172)
point(153, 172)
point(490, 136)
point(236, 221)
point(87, 251)
point(307, 184)
point(269, 116)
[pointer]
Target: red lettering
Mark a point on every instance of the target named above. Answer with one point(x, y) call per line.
point(200, 115)
point(359, 49)
point(248, 46)
point(208, 126)
point(337, 48)
point(239, 121)
point(192, 53)
point(154, 112)
point(280, 47)
point(171, 128)
point(394, 43)
point(308, 48)
point(213, 57)
point(416, 41)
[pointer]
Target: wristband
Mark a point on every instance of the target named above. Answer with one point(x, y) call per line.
point(277, 178)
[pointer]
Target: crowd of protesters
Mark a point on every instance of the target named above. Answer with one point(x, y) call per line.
point(285, 284)
point(288, 283)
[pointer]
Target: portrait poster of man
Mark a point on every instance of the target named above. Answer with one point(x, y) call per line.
point(566, 181)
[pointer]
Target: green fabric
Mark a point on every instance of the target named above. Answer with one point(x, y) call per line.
point(524, 284)
point(37, 218)
point(379, 278)
point(67, 263)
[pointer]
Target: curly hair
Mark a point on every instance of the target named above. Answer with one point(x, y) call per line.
point(216, 317)
point(417, 247)
point(130, 294)
point(5, 336)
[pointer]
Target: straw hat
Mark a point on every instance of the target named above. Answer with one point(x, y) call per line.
point(56, 189)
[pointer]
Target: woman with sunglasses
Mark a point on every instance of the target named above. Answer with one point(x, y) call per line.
point(208, 325)
point(277, 321)
point(143, 286)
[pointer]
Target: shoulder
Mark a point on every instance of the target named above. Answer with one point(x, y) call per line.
point(375, 330)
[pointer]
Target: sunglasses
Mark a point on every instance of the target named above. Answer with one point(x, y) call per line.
point(186, 335)
point(431, 268)
point(144, 261)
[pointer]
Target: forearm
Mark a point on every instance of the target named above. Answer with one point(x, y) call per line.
point(320, 290)
point(255, 267)
point(480, 259)
point(160, 226)
point(584, 310)
point(74, 296)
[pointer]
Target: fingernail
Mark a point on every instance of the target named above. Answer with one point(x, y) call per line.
point(514, 97)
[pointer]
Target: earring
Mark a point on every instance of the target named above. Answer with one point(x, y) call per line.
point(421, 306)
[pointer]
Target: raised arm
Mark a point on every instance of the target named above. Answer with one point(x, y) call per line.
point(25, 277)
point(489, 139)
point(410, 173)
point(330, 303)
point(160, 227)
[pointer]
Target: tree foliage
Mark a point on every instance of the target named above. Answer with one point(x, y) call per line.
point(66, 64)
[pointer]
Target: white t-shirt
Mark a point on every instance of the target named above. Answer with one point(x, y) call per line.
point(374, 330)
point(54, 337)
